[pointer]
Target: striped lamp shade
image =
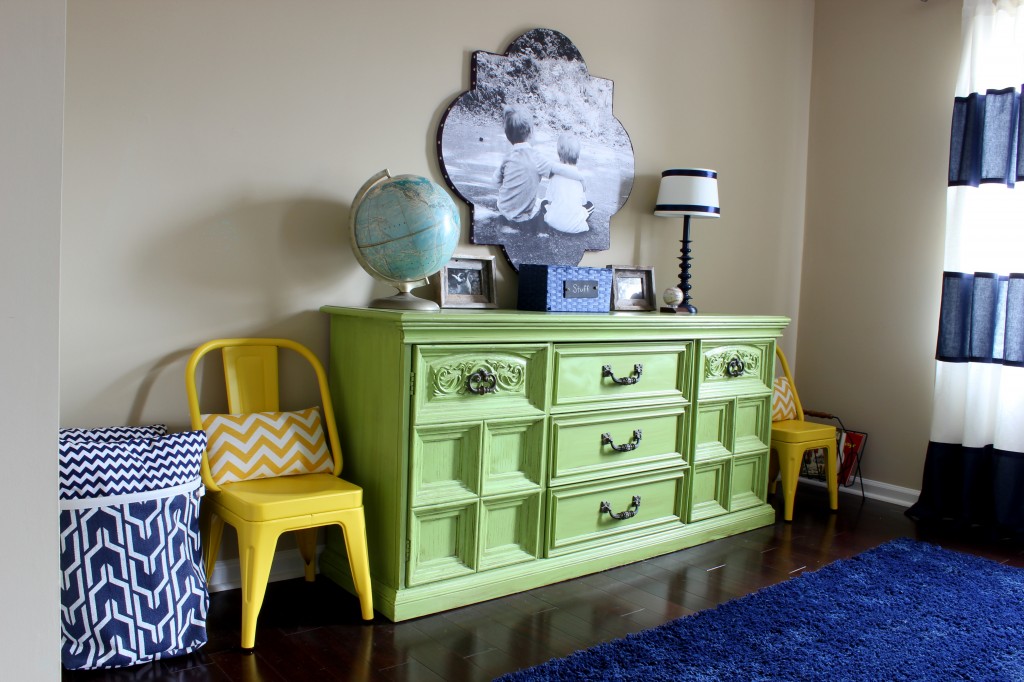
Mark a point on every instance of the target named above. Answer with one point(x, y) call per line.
point(688, 192)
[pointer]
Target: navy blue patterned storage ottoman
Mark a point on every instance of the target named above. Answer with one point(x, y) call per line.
point(132, 583)
point(565, 288)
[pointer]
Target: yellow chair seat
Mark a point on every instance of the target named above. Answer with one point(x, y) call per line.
point(795, 431)
point(268, 499)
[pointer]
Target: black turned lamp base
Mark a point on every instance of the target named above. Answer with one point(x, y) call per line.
point(685, 307)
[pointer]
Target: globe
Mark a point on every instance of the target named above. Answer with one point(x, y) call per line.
point(404, 229)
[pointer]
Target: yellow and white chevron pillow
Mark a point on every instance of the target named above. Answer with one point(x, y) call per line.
point(266, 444)
point(783, 400)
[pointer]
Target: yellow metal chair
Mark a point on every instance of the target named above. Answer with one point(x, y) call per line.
point(792, 437)
point(261, 509)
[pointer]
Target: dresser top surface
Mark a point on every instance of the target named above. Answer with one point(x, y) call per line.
point(518, 323)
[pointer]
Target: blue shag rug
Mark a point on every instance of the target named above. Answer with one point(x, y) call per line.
point(906, 610)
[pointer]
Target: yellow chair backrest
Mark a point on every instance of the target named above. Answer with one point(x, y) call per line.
point(252, 383)
point(251, 376)
point(785, 399)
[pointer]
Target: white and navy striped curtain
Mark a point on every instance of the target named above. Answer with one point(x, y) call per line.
point(974, 470)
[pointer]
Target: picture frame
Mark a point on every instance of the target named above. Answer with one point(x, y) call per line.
point(537, 107)
point(468, 282)
point(633, 288)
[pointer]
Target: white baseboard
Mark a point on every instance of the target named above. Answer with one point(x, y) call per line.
point(876, 490)
point(287, 564)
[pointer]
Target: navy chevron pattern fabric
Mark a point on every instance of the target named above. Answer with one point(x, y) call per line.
point(96, 468)
point(132, 585)
point(114, 433)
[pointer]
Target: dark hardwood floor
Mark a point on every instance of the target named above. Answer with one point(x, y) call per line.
point(313, 631)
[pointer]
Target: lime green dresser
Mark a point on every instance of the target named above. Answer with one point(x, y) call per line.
point(500, 451)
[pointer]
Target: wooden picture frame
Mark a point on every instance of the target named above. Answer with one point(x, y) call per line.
point(468, 282)
point(633, 288)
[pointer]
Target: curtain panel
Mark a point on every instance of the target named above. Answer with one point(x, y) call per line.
point(974, 465)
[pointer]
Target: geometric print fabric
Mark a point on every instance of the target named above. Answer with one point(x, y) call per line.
point(783, 400)
point(132, 583)
point(133, 587)
point(266, 444)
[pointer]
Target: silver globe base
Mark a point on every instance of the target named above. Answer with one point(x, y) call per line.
point(404, 301)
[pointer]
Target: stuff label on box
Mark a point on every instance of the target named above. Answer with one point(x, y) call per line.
point(584, 288)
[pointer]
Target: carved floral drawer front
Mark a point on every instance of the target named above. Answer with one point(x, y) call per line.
point(464, 382)
point(596, 514)
point(606, 374)
point(615, 443)
point(735, 368)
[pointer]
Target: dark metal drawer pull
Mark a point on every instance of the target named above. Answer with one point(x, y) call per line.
point(735, 367)
point(638, 369)
point(628, 514)
point(606, 439)
point(481, 382)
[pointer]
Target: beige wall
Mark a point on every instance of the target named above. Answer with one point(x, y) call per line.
point(212, 151)
point(213, 148)
point(884, 72)
point(32, 83)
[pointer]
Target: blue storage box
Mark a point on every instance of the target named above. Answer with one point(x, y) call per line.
point(565, 288)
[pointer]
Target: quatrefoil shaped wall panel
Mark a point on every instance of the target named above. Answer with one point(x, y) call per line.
point(534, 149)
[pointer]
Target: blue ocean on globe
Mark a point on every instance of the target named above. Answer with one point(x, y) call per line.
point(406, 227)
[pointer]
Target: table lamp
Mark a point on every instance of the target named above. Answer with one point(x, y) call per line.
point(687, 193)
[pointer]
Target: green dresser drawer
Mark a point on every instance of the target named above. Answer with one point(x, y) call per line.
point(603, 375)
point(732, 369)
point(475, 381)
point(460, 461)
point(710, 494)
point(615, 443)
point(453, 540)
point(749, 481)
point(442, 543)
point(581, 517)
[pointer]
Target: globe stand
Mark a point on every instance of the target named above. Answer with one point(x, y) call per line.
point(404, 300)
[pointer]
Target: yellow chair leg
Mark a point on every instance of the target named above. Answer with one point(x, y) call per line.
point(306, 540)
point(256, 547)
point(353, 527)
point(211, 528)
point(789, 465)
point(832, 477)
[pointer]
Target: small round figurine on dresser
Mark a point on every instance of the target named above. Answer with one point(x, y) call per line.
point(672, 296)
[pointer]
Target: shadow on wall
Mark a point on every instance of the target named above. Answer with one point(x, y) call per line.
point(298, 391)
point(252, 269)
point(253, 257)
